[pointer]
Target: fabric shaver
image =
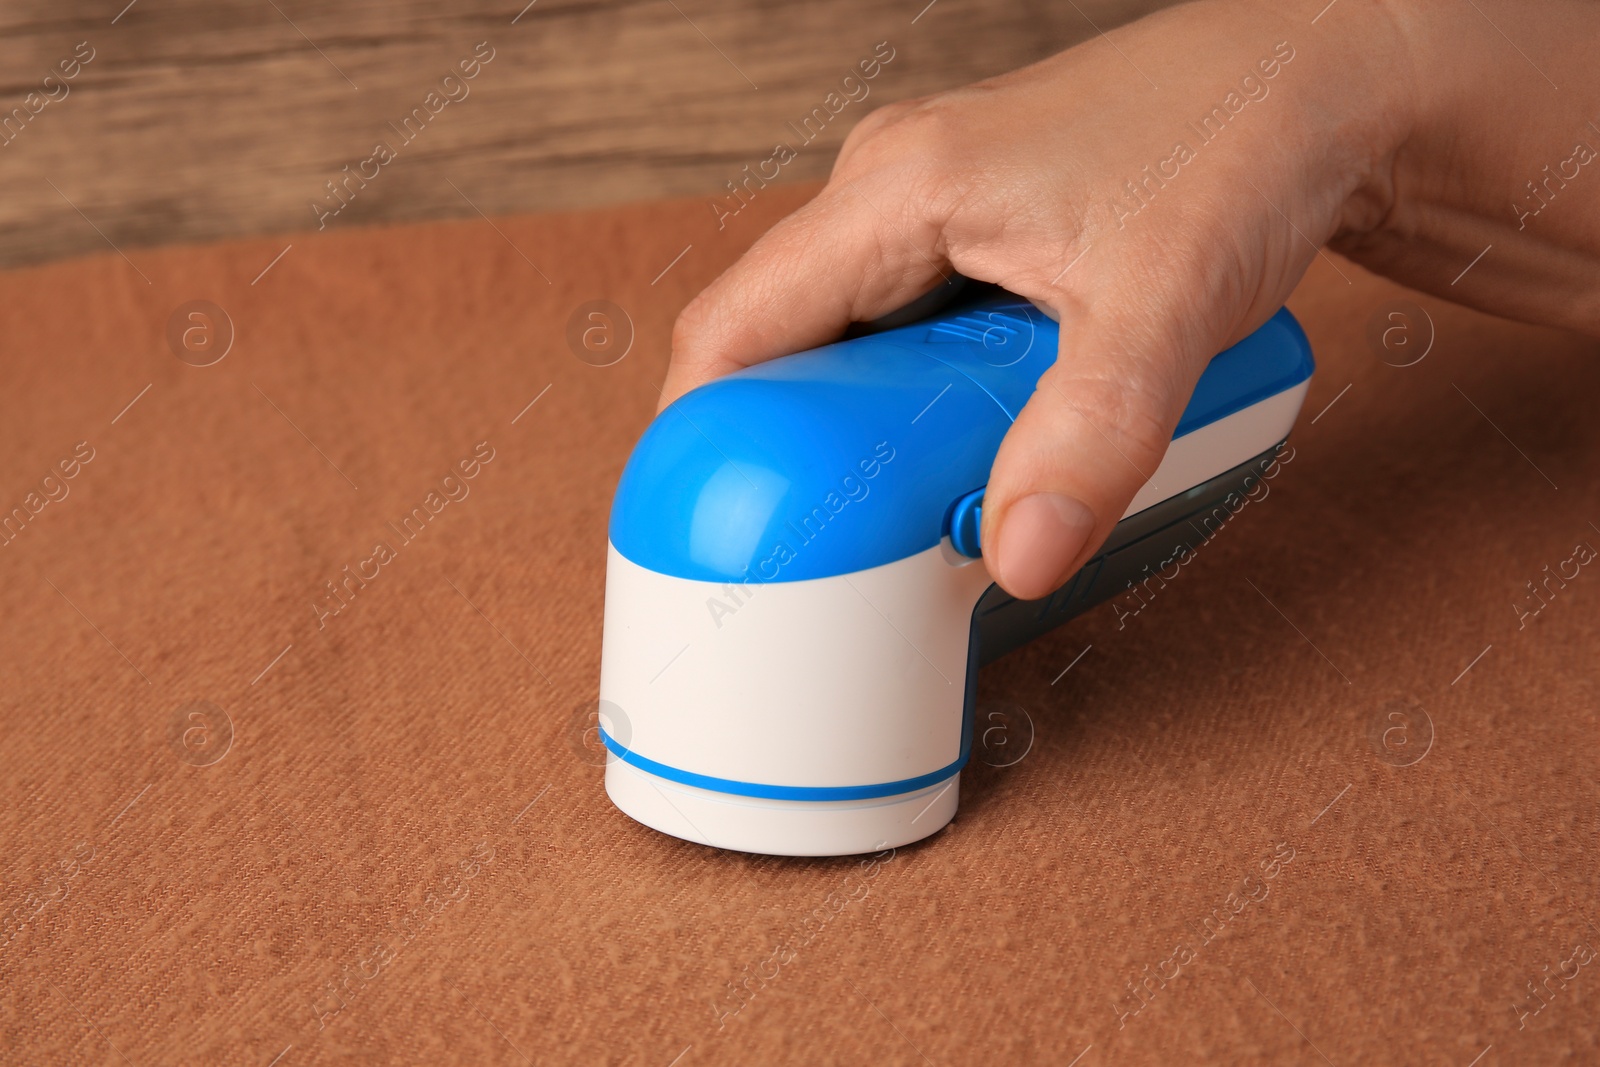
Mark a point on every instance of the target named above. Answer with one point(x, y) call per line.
point(795, 607)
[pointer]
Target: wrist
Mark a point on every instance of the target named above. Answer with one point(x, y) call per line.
point(1367, 83)
point(1353, 86)
point(1476, 139)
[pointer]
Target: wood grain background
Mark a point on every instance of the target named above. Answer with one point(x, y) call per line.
point(198, 120)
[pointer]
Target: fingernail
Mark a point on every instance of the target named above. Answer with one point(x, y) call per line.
point(1042, 535)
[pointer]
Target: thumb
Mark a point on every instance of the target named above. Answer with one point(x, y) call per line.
point(1088, 439)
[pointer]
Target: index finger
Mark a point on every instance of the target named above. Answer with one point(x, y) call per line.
point(842, 258)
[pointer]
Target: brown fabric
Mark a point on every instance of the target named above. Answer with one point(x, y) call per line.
point(421, 754)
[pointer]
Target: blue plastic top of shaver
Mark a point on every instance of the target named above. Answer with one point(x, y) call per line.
point(850, 456)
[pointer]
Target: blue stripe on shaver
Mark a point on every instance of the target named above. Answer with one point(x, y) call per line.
point(782, 792)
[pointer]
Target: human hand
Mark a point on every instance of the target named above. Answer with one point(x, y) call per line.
point(1158, 221)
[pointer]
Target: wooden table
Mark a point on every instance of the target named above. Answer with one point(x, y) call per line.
point(196, 120)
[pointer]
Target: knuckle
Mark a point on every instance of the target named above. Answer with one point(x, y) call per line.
point(876, 121)
point(912, 162)
point(925, 130)
point(692, 324)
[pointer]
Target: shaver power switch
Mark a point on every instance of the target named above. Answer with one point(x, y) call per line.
point(965, 520)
